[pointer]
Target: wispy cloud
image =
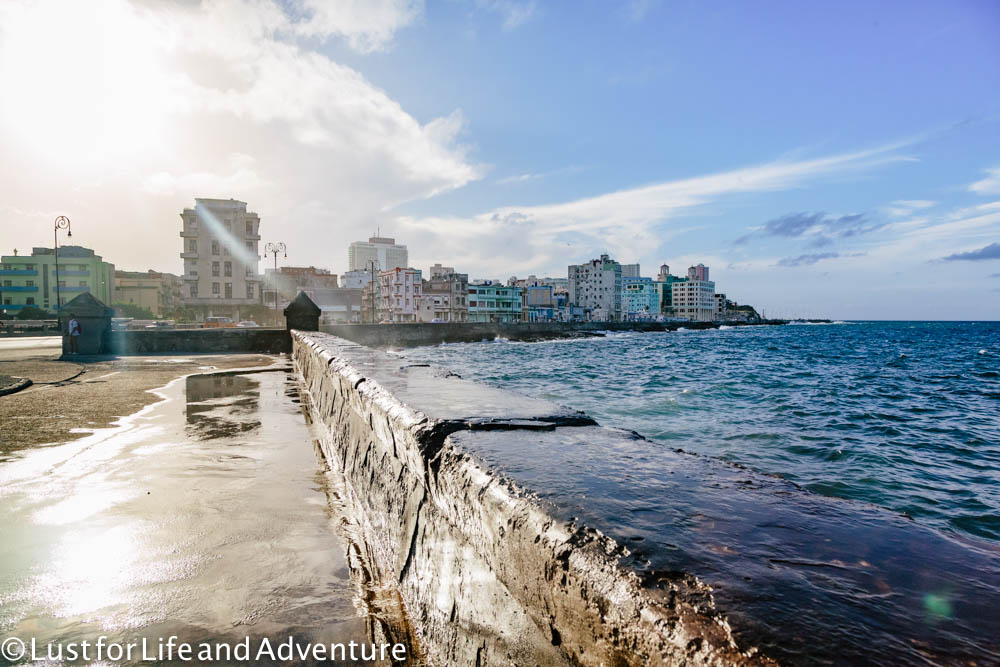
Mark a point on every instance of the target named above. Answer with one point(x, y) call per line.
point(636, 10)
point(904, 207)
point(989, 185)
point(628, 223)
point(807, 260)
point(992, 251)
point(822, 228)
point(366, 25)
point(514, 13)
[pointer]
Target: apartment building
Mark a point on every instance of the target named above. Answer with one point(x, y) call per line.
point(596, 286)
point(158, 292)
point(221, 258)
point(694, 300)
point(445, 296)
point(383, 251)
point(31, 280)
point(399, 292)
point(492, 301)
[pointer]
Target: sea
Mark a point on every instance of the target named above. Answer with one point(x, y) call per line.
point(877, 540)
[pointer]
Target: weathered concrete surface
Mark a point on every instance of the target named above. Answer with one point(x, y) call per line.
point(258, 340)
point(487, 575)
point(411, 335)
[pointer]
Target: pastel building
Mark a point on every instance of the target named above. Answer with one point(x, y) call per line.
point(640, 298)
point(30, 280)
point(694, 300)
point(158, 292)
point(399, 293)
point(596, 286)
point(491, 301)
point(445, 296)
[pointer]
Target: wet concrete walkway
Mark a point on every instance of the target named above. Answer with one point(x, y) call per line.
point(208, 515)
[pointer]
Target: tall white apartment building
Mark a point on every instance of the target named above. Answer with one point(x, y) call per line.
point(221, 258)
point(596, 286)
point(694, 299)
point(379, 249)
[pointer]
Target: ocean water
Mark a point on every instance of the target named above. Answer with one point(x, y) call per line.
point(904, 415)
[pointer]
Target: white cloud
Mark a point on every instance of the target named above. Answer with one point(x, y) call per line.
point(989, 185)
point(226, 99)
point(904, 207)
point(627, 223)
point(514, 13)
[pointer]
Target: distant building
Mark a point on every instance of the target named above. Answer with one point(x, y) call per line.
point(158, 292)
point(694, 300)
point(640, 299)
point(356, 279)
point(384, 251)
point(400, 290)
point(445, 296)
point(664, 272)
point(699, 272)
point(337, 305)
point(220, 254)
point(597, 287)
point(721, 306)
point(495, 302)
point(30, 280)
point(283, 285)
point(539, 302)
point(630, 271)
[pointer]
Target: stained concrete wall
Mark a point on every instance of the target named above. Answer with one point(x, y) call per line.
point(199, 341)
point(410, 335)
point(487, 575)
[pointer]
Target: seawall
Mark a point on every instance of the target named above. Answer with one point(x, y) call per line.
point(258, 340)
point(411, 335)
point(485, 572)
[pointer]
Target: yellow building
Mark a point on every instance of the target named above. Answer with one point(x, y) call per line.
point(158, 292)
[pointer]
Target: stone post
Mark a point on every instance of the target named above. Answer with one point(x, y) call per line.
point(95, 325)
point(302, 314)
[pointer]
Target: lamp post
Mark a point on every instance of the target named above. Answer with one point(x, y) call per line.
point(61, 222)
point(371, 287)
point(274, 249)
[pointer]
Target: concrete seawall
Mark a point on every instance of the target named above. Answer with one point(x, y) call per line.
point(257, 340)
point(486, 573)
point(411, 335)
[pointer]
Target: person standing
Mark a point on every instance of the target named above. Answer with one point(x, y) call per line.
point(74, 330)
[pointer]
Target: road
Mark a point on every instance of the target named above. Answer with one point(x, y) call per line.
point(19, 346)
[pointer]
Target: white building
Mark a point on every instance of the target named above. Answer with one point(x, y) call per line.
point(438, 271)
point(384, 251)
point(399, 294)
point(597, 287)
point(630, 270)
point(356, 279)
point(694, 300)
point(221, 258)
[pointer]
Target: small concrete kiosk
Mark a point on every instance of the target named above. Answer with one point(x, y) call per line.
point(302, 314)
point(95, 325)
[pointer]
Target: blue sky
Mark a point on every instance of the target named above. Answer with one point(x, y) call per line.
point(823, 158)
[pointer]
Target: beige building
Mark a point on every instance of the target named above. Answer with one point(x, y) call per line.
point(694, 300)
point(221, 257)
point(445, 296)
point(384, 251)
point(158, 292)
point(399, 293)
point(597, 288)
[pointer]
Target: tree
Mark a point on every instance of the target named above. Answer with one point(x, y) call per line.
point(34, 313)
point(134, 311)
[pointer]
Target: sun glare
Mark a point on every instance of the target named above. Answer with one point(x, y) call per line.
point(82, 81)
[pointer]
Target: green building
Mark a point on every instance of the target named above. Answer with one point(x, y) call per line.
point(495, 302)
point(30, 280)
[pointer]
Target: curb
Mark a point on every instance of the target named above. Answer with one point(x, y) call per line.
point(21, 383)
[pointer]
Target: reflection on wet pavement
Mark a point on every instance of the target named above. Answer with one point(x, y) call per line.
point(212, 526)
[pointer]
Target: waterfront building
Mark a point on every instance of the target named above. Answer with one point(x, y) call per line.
point(283, 285)
point(694, 300)
point(221, 258)
point(492, 301)
point(30, 280)
point(399, 293)
point(539, 302)
point(641, 299)
point(721, 307)
point(356, 279)
point(596, 286)
point(383, 250)
point(445, 296)
point(158, 292)
point(338, 305)
point(699, 272)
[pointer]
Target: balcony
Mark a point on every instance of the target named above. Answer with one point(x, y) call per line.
point(189, 233)
point(74, 288)
point(18, 288)
point(189, 255)
point(18, 272)
point(252, 237)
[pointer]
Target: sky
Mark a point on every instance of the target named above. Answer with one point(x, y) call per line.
point(829, 159)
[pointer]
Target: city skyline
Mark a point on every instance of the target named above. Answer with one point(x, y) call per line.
point(859, 187)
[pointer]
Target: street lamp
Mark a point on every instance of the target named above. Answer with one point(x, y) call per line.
point(62, 222)
point(274, 249)
point(371, 287)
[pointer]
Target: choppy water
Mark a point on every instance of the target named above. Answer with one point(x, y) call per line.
point(905, 415)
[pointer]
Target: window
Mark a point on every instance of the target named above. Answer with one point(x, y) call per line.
point(62, 283)
point(6, 283)
point(249, 228)
point(6, 302)
point(250, 246)
point(194, 291)
point(249, 287)
point(192, 245)
point(215, 288)
point(229, 290)
point(215, 247)
point(29, 283)
point(228, 268)
point(225, 250)
point(249, 272)
point(83, 283)
point(29, 267)
point(30, 301)
point(215, 269)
